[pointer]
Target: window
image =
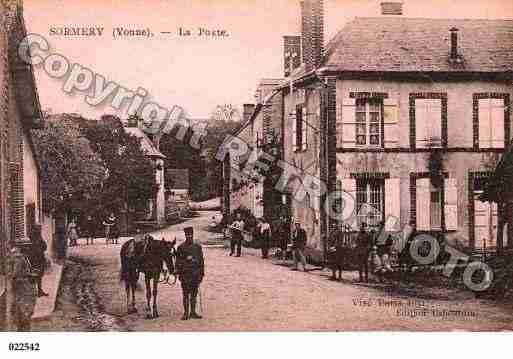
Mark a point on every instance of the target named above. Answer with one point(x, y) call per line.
point(491, 122)
point(428, 206)
point(368, 121)
point(428, 122)
point(369, 201)
point(300, 129)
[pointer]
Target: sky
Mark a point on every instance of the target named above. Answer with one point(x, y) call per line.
point(198, 73)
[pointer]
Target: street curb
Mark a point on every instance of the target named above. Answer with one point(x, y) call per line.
point(51, 283)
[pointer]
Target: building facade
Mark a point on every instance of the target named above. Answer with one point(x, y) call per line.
point(260, 130)
point(156, 207)
point(20, 192)
point(405, 117)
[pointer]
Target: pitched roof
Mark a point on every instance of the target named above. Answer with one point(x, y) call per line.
point(414, 44)
point(147, 146)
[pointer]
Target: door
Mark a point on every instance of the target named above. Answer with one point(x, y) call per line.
point(485, 222)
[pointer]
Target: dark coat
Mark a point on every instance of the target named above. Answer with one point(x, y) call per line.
point(363, 242)
point(37, 254)
point(299, 239)
point(190, 265)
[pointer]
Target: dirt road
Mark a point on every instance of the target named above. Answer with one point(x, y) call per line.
point(249, 293)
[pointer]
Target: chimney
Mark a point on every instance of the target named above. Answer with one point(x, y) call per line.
point(454, 43)
point(248, 109)
point(392, 8)
point(291, 53)
point(312, 33)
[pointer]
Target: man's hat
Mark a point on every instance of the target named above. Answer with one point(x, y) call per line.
point(188, 230)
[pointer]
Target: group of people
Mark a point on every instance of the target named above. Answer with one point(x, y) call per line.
point(88, 230)
point(371, 246)
point(263, 235)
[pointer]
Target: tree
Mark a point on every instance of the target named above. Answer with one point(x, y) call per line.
point(70, 170)
point(225, 113)
point(130, 173)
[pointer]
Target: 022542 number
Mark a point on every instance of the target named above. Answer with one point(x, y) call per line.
point(24, 347)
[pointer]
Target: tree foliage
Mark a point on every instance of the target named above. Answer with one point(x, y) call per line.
point(130, 173)
point(69, 167)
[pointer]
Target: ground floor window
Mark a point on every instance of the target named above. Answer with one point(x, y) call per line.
point(370, 201)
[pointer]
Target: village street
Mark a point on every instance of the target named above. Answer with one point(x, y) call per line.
point(249, 293)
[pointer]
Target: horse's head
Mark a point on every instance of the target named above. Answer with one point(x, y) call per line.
point(169, 253)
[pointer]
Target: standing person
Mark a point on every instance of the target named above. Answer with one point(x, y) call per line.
point(72, 233)
point(89, 226)
point(23, 288)
point(190, 268)
point(337, 252)
point(363, 244)
point(37, 258)
point(298, 246)
point(264, 233)
point(109, 223)
point(284, 236)
point(236, 242)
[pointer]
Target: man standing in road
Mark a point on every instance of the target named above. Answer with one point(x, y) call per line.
point(236, 242)
point(190, 270)
point(298, 246)
point(363, 243)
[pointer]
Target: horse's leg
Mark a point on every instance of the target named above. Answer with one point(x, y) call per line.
point(155, 292)
point(127, 289)
point(134, 287)
point(147, 280)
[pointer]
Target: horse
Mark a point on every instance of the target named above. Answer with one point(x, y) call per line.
point(146, 256)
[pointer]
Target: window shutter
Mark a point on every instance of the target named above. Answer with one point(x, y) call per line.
point(349, 123)
point(497, 123)
point(421, 126)
point(484, 123)
point(392, 202)
point(294, 131)
point(304, 127)
point(423, 203)
point(451, 204)
point(481, 223)
point(434, 122)
point(17, 201)
point(349, 186)
point(391, 125)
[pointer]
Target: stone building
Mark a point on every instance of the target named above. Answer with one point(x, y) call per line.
point(407, 116)
point(20, 192)
point(260, 130)
point(396, 98)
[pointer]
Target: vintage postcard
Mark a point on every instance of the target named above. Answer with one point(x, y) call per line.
point(222, 165)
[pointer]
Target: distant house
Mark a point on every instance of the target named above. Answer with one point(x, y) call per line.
point(155, 209)
point(260, 128)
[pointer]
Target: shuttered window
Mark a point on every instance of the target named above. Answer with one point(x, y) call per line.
point(428, 123)
point(368, 122)
point(429, 208)
point(349, 205)
point(392, 203)
point(17, 202)
point(491, 123)
point(391, 123)
point(300, 129)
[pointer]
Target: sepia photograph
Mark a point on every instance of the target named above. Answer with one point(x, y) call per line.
point(255, 166)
